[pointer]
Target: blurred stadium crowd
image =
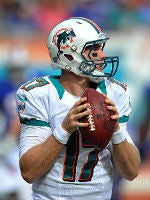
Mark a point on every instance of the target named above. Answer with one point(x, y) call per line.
point(24, 27)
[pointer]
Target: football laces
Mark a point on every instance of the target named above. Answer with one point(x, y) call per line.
point(91, 121)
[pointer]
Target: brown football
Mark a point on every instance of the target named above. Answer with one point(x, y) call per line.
point(101, 126)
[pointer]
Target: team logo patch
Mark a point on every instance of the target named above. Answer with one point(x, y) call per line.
point(62, 38)
point(20, 107)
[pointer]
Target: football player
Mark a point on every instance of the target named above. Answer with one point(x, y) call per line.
point(53, 155)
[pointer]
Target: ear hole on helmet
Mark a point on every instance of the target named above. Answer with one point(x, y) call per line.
point(69, 57)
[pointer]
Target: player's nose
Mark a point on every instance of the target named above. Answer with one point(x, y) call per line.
point(101, 54)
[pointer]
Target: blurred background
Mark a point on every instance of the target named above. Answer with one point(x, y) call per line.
point(24, 28)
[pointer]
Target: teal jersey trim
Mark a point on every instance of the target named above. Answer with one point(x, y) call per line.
point(57, 85)
point(34, 122)
point(102, 87)
point(123, 119)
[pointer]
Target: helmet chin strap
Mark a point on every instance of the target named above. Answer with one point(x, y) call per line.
point(93, 79)
point(97, 72)
point(95, 76)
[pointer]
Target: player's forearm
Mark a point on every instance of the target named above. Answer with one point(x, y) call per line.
point(39, 159)
point(127, 159)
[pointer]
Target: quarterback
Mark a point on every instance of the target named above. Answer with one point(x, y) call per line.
point(53, 155)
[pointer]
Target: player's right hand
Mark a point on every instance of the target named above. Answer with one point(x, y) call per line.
point(72, 120)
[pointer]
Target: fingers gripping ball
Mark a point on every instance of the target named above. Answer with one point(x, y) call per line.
point(101, 126)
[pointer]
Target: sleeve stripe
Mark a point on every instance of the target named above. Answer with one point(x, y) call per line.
point(123, 119)
point(34, 122)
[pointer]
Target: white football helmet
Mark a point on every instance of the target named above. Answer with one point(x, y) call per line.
point(66, 44)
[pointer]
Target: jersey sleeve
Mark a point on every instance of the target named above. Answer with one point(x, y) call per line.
point(124, 109)
point(124, 106)
point(32, 104)
point(33, 109)
point(120, 95)
point(30, 137)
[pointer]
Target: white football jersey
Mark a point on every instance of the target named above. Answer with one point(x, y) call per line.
point(80, 171)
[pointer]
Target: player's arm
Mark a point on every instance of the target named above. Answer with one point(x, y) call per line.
point(39, 159)
point(36, 161)
point(125, 154)
point(127, 159)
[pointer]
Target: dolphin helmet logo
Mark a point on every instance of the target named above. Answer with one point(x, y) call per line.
point(61, 39)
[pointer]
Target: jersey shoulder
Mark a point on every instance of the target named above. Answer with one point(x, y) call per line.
point(118, 84)
point(39, 87)
point(120, 95)
point(112, 86)
point(38, 95)
point(36, 85)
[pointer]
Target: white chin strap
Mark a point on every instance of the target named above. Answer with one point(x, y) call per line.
point(94, 78)
point(97, 76)
point(97, 73)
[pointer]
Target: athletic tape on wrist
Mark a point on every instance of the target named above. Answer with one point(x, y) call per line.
point(61, 135)
point(118, 137)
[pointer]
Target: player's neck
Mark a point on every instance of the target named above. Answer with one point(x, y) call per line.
point(73, 83)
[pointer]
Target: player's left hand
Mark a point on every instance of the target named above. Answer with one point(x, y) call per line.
point(115, 116)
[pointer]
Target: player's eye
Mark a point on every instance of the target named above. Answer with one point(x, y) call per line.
point(94, 54)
